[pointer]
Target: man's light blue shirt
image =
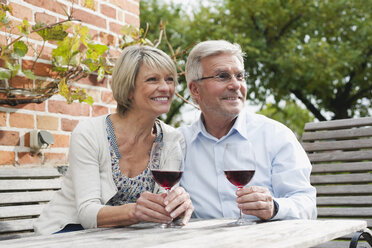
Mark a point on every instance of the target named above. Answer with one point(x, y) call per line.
point(282, 166)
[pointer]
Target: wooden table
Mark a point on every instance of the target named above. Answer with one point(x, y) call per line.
point(201, 233)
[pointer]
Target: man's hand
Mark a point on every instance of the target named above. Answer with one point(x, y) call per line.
point(178, 203)
point(150, 207)
point(257, 201)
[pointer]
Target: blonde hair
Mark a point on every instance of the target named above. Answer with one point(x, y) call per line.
point(126, 69)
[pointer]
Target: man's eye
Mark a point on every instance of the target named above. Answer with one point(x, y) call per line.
point(224, 76)
point(240, 76)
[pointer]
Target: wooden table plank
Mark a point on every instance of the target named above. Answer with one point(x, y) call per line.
point(202, 233)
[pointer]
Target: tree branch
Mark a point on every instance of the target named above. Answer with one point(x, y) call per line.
point(308, 105)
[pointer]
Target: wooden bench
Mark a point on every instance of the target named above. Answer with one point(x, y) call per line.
point(341, 154)
point(23, 193)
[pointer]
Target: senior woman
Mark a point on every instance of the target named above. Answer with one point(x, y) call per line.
point(108, 182)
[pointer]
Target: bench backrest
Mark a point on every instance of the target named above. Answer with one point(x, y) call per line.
point(341, 154)
point(23, 193)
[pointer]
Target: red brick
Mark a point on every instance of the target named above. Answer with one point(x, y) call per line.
point(133, 20)
point(68, 125)
point(92, 80)
point(115, 27)
point(46, 53)
point(31, 106)
point(2, 119)
point(108, 11)
point(120, 3)
point(21, 120)
point(7, 158)
point(75, 109)
point(94, 34)
point(99, 110)
point(55, 158)
point(89, 18)
point(25, 158)
point(47, 122)
point(51, 5)
point(21, 12)
point(40, 69)
point(9, 138)
point(20, 82)
point(107, 97)
point(107, 39)
point(61, 140)
point(132, 7)
point(45, 18)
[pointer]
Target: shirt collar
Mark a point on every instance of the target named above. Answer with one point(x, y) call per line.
point(239, 126)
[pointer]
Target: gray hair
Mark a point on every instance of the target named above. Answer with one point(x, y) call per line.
point(126, 69)
point(204, 49)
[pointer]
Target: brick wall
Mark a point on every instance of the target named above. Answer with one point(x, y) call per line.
point(55, 115)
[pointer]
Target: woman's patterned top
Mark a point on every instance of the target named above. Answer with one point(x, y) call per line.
point(130, 189)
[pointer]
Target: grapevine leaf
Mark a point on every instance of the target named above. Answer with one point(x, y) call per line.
point(89, 100)
point(51, 33)
point(20, 48)
point(29, 74)
point(4, 75)
point(24, 28)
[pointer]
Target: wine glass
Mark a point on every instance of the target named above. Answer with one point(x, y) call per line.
point(239, 165)
point(167, 164)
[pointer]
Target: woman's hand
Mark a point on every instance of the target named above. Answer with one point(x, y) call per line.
point(151, 207)
point(177, 203)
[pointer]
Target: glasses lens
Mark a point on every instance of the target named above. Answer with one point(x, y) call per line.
point(224, 77)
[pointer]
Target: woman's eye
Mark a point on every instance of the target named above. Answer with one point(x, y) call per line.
point(169, 80)
point(152, 79)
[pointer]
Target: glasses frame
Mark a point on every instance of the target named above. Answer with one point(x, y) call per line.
point(218, 77)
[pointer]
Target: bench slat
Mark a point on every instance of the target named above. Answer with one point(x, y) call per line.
point(31, 184)
point(338, 145)
point(344, 200)
point(338, 156)
point(21, 210)
point(342, 167)
point(16, 225)
point(343, 212)
point(26, 197)
point(341, 189)
point(342, 178)
point(338, 124)
point(29, 173)
point(337, 134)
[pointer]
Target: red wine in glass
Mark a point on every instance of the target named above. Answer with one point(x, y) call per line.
point(166, 179)
point(239, 178)
point(239, 165)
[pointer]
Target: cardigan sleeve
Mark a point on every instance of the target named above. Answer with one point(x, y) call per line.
point(85, 169)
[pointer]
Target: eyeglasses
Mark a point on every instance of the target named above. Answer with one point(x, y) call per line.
point(225, 77)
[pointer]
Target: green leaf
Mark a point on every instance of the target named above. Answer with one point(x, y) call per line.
point(24, 28)
point(89, 100)
point(4, 75)
point(29, 74)
point(51, 33)
point(101, 73)
point(20, 48)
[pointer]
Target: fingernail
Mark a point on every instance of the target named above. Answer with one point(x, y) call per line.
point(172, 215)
point(167, 208)
point(166, 202)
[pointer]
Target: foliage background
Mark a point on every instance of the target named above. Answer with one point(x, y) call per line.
point(306, 58)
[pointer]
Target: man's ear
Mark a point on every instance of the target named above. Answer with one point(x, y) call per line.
point(194, 89)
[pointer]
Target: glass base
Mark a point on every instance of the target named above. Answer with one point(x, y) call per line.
point(242, 222)
point(170, 225)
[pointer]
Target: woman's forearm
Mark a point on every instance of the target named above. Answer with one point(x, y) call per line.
point(111, 216)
